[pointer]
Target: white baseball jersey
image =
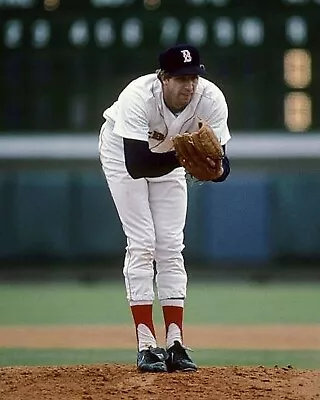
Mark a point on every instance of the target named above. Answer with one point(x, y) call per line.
point(140, 113)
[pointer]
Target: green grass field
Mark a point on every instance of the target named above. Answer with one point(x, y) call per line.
point(207, 303)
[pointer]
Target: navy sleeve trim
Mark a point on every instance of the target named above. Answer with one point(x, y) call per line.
point(226, 168)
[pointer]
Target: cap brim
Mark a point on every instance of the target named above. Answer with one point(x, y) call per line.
point(190, 70)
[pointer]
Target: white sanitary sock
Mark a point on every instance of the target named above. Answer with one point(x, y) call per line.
point(173, 334)
point(145, 337)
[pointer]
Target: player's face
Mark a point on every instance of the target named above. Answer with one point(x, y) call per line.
point(178, 90)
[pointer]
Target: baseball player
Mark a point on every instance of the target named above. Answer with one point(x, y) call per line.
point(149, 189)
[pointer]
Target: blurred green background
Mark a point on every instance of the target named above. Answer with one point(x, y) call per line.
point(207, 303)
point(62, 62)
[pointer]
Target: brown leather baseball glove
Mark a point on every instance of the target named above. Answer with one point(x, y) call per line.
point(200, 153)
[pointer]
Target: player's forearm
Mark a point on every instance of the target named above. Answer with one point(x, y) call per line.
point(143, 163)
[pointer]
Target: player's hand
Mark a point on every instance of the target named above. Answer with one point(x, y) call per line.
point(216, 165)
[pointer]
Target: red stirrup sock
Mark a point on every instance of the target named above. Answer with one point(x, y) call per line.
point(145, 332)
point(173, 318)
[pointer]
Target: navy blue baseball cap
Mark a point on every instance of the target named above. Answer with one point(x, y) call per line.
point(181, 59)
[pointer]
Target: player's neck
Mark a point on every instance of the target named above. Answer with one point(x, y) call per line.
point(175, 110)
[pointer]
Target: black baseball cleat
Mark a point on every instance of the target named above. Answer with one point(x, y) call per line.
point(179, 360)
point(152, 360)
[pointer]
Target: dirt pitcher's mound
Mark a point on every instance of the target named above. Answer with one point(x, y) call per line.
point(102, 382)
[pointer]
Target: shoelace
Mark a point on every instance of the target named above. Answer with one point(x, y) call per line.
point(186, 348)
point(158, 352)
point(181, 352)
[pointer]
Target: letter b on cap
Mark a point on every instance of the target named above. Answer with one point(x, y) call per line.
point(186, 56)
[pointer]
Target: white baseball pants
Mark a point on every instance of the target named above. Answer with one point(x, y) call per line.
point(152, 212)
